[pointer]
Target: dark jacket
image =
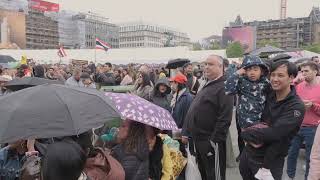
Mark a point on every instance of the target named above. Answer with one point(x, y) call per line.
point(38, 71)
point(284, 119)
point(252, 94)
point(135, 165)
point(117, 80)
point(10, 164)
point(161, 99)
point(105, 79)
point(180, 110)
point(193, 84)
point(210, 113)
point(155, 163)
point(92, 68)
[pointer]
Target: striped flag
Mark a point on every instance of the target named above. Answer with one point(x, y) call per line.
point(61, 52)
point(102, 45)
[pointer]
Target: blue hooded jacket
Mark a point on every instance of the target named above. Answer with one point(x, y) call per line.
point(252, 94)
point(10, 164)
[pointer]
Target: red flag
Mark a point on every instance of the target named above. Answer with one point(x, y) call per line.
point(61, 52)
point(102, 45)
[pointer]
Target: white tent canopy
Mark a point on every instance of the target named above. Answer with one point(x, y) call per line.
point(115, 56)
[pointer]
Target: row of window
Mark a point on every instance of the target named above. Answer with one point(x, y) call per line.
point(93, 44)
point(140, 38)
point(134, 45)
point(142, 28)
point(151, 34)
point(152, 29)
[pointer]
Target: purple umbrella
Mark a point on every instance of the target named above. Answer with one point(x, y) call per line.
point(138, 109)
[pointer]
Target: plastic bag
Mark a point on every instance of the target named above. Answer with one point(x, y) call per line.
point(192, 170)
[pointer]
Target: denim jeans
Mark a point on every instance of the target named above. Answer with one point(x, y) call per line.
point(305, 134)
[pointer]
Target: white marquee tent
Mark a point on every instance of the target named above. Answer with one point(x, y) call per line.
point(115, 56)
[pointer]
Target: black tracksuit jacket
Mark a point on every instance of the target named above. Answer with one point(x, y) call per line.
point(210, 113)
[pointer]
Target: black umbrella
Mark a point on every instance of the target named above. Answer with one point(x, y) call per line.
point(266, 50)
point(6, 59)
point(175, 63)
point(25, 82)
point(53, 110)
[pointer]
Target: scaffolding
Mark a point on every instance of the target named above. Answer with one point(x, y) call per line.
point(289, 33)
point(41, 31)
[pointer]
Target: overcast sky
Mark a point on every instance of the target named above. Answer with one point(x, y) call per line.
point(198, 18)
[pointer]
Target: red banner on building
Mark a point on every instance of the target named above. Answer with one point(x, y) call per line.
point(44, 6)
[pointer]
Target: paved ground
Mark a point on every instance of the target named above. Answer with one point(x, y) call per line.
point(234, 174)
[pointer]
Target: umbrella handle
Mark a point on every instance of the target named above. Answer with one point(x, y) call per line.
point(32, 153)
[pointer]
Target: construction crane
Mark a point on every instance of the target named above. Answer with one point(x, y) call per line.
point(283, 9)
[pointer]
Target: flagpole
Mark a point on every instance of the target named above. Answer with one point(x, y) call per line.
point(95, 55)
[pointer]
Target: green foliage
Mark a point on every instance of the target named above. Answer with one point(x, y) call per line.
point(234, 50)
point(313, 48)
point(197, 46)
point(215, 46)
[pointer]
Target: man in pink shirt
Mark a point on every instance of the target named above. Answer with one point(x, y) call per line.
point(309, 92)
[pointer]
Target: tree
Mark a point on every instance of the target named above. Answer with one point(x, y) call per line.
point(234, 50)
point(215, 45)
point(197, 46)
point(265, 42)
point(313, 48)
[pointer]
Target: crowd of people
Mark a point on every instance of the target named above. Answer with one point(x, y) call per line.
point(277, 110)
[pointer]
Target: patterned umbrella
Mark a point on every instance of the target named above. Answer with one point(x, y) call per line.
point(138, 109)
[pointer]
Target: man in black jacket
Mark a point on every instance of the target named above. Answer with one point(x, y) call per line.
point(208, 119)
point(284, 112)
point(105, 76)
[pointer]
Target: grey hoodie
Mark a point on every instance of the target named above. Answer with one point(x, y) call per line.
point(162, 99)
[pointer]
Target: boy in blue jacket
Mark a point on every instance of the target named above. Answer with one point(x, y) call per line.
point(251, 85)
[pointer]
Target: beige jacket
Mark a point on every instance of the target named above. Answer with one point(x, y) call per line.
point(314, 172)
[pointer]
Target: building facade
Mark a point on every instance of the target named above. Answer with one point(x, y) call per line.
point(206, 43)
point(79, 30)
point(96, 26)
point(28, 24)
point(239, 32)
point(41, 31)
point(289, 33)
point(142, 35)
point(13, 29)
point(315, 20)
point(71, 30)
